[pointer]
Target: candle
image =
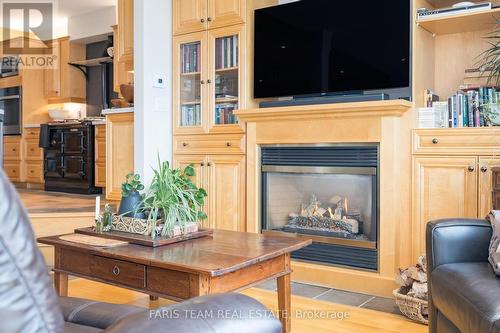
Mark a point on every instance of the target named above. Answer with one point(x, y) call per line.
point(97, 207)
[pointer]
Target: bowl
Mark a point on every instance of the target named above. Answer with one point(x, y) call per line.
point(60, 114)
point(127, 91)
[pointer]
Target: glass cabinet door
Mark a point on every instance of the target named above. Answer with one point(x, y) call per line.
point(189, 85)
point(225, 90)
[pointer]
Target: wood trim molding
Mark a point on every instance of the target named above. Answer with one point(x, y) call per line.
point(358, 109)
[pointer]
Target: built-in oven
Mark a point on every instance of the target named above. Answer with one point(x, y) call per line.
point(10, 102)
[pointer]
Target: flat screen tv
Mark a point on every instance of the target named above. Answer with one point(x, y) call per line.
point(318, 47)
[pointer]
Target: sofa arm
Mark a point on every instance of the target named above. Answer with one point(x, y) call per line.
point(228, 313)
point(457, 240)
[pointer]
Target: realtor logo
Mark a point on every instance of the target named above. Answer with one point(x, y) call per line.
point(26, 27)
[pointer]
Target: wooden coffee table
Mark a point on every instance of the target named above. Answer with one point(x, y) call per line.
point(226, 262)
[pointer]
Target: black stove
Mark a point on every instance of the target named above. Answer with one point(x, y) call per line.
point(69, 157)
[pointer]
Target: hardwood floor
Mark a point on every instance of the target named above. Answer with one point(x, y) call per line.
point(40, 202)
point(356, 320)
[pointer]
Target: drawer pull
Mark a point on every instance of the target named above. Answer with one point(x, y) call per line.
point(116, 270)
point(435, 141)
point(14, 149)
point(471, 168)
point(185, 144)
point(31, 171)
point(484, 168)
point(229, 144)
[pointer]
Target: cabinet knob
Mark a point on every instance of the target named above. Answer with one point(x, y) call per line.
point(484, 168)
point(435, 141)
point(202, 164)
point(202, 20)
point(209, 19)
point(209, 81)
point(185, 144)
point(209, 164)
point(229, 144)
point(116, 270)
point(202, 82)
point(471, 168)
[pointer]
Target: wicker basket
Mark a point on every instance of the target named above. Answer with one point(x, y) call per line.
point(411, 307)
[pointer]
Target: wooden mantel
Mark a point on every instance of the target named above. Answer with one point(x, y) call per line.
point(386, 123)
point(334, 110)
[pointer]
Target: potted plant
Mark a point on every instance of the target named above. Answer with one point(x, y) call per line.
point(490, 58)
point(173, 201)
point(130, 204)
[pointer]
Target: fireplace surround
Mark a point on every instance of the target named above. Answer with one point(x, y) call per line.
point(328, 193)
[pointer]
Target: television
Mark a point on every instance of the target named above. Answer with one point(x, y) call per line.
point(323, 47)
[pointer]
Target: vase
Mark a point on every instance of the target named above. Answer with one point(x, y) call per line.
point(130, 206)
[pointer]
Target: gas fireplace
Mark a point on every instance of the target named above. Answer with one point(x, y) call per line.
point(326, 193)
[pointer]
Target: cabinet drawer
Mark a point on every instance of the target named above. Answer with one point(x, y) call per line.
point(117, 271)
point(31, 133)
point(210, 144)
point(33, 152)
point(163, 280)
point(100, 132)
point(12, 150)
point(73, 261)
point(13, 171)
point(34, 172)
point(100, 174)
point(453, 141)
point(100, 151)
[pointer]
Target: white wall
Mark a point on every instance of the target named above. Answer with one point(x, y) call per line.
point(92, 24)
point(153, 106)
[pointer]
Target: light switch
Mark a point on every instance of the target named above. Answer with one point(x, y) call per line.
point(159, 81)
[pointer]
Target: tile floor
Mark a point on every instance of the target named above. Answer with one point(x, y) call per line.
point(338, 296)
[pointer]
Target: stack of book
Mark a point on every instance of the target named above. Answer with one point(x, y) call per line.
point(190, 115)
point(224, 113)
point(190, 58)
point(433, 117)
point(473, 107)
point(226, 52)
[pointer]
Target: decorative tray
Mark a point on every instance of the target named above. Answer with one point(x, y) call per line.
point(143, 239)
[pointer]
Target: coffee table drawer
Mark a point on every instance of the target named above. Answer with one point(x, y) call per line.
point(118, 271)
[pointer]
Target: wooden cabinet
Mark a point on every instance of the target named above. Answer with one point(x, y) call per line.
point(125, 30)
point(226, 192)
point(449, 180)
point(100, 155)
point(209, 81)
point(223, 177)
point(119, 152)
point(123, 36)
point(12, 154)
point(33, 156)
point(62, 82)
point(198, 15)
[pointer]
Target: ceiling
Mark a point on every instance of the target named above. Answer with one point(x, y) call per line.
point(71, 8)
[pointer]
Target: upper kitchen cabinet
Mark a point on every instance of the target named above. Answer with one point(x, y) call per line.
point(198, 15)
point(62, 82)
point(125, 30)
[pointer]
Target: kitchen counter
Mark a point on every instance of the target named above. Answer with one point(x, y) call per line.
point(107, 112)
point(31, 126)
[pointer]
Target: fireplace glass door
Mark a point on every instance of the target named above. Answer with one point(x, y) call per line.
point(328, 202)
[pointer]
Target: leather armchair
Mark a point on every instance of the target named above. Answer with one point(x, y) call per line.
point(28, 302)
point(464, 292)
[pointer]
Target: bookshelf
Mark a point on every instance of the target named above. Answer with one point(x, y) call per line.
point(208, 81)
point(460, 23)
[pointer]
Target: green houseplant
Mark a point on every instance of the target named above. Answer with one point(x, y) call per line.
point(130, 203)
point(490, 58)
point(173, 199)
